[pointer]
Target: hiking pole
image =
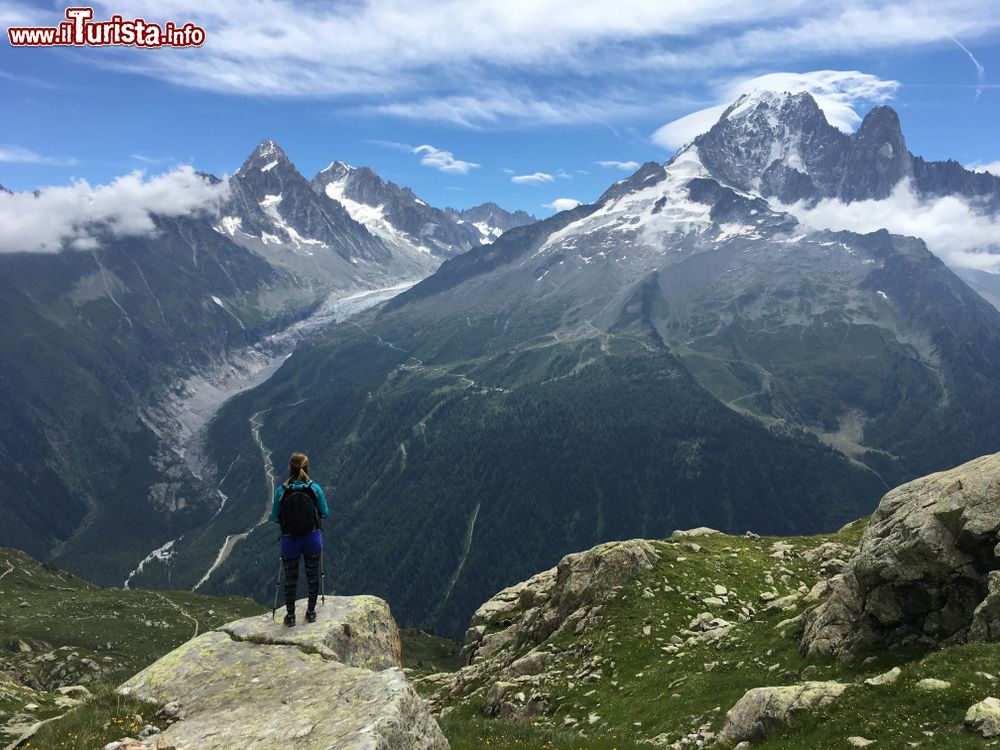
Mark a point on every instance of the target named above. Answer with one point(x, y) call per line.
point(277, 583)
point(322, 576)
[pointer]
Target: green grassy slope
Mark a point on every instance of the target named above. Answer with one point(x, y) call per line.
point(58, 630)
point(627, 682)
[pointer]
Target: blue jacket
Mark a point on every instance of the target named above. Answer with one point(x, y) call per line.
point(321, 505)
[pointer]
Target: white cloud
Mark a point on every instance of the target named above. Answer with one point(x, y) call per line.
point(152, 159)
point(625, 166)
point(18, 155)
point(74, 215)
point(478, 109)
point(435, 60)
point(993, 167)
point(980, 70)
point(535, 178)
point(443, 161)
point(951, 227)
point(837, 92)
point(562, 204)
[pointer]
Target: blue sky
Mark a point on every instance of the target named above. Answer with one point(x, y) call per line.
point(548, 88)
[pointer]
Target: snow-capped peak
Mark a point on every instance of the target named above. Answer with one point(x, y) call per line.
point(659, 204)
point(338, 166)
point(755, 100)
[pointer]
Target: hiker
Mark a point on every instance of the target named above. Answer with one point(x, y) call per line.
point(299, 504)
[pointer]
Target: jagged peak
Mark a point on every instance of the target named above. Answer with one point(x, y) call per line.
point(337, 167)
point(641, 178)
point(265, 157)
point(881, 122)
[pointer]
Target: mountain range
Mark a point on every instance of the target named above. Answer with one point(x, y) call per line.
point(681, 352)
point(113, 358)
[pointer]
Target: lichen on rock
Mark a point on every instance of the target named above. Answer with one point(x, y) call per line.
point(255, 684)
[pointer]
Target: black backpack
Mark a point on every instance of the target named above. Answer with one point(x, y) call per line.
point(298, 514)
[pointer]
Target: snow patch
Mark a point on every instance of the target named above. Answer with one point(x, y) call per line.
point(231, 225)
point(270, 206)
point(373, 218)
point(269, 166)
point(161, 554)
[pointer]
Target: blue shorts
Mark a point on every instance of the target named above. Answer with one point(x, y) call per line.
point(295, 546)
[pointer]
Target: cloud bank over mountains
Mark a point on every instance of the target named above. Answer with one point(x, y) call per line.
point(953, 228)
point(75, 215)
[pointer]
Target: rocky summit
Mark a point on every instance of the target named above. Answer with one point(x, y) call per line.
point(253, 683)
point(926, 568)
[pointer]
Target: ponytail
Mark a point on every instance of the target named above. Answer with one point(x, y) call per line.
point(298, 468)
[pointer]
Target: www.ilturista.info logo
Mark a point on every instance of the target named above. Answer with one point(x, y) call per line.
point(80, 30)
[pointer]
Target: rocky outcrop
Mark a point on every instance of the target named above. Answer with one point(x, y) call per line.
point(505, 642)
point(255, 684)
point(923, 569)
point(563, 598)
point(984, 717)
point(763, 710)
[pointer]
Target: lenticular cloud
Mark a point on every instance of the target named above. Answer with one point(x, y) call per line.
point(837, 92)
point(69, 216)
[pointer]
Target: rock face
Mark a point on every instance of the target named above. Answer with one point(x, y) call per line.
point(922, 572)
point(561, 598)
point(256, 684)
point(762, 710)
point(781, 145)
point(509, 630)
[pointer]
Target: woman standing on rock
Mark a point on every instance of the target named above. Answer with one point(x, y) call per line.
point(299, 504)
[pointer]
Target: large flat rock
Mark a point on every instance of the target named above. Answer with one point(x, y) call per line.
point(257, 685)
point(355, 630)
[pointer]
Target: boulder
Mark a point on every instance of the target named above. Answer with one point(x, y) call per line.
point(984, 718)
point(921, 571)
point(986, 619)
point(255, 684)
point(763, 710)
point(507, 631)
point(561, 598)
point(689, 533)
point(886, 678)
point(932, 683)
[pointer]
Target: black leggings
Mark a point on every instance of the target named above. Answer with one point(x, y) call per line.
point(292, 579)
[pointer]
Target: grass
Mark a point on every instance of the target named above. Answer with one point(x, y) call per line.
point(104, 718)
point(467, 731)
point(614, 687)
point(648, 687)
point(72, 632)
point(425, 654)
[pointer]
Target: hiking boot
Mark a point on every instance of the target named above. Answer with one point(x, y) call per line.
point(310, 615)
point(290, 620)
